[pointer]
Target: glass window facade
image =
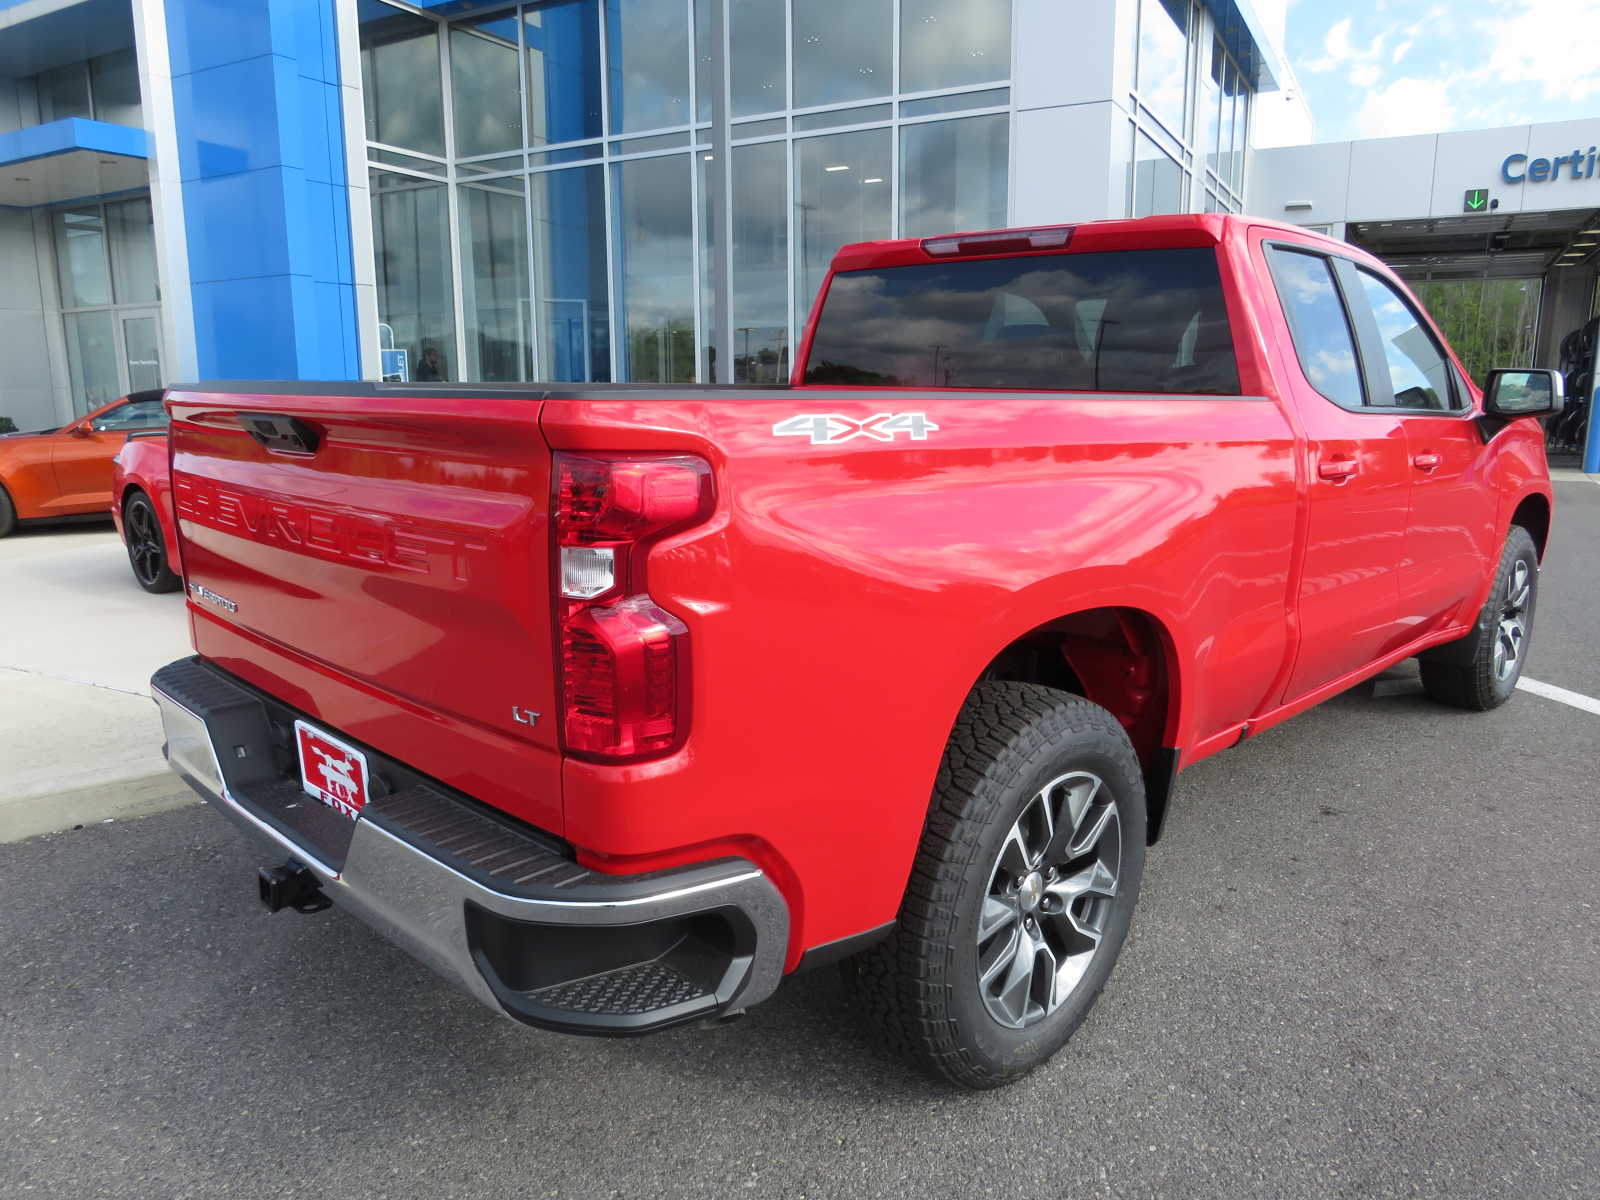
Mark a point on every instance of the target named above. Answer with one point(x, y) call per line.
point(1190, 111)
point(843, 51)
point(841, 188)
point(64, 92)
point(495, 305)
point(561, 50)
point(953, 175)
point(411, 239)
point(760, 264)
point(654, 244)
point(953, 43)
point(400, 77)
point(484, 87)
point(110, 299)
point(104, 88)
point(756, 69)
point(114, 86)
point(552, 198)
point(572, 274)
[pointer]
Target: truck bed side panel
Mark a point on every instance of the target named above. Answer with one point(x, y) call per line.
point(853, 592)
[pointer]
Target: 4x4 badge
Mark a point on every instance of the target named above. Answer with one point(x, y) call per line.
point(827, 429)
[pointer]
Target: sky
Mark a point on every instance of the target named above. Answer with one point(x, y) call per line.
point(1381, 68)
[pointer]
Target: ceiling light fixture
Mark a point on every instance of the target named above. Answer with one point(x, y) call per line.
point(840, 168)
point(874, 179)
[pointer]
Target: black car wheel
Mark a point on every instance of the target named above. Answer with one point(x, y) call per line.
point(1022, 890)
point(8, 514)
point(147, 549)
point(1480, 671)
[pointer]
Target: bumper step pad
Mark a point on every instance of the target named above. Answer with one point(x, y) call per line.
point(632, 991)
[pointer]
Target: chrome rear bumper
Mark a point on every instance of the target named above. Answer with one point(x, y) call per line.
point(492, 905)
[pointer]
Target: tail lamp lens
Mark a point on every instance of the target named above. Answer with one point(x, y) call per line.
point(624, 659)
point(621, 665)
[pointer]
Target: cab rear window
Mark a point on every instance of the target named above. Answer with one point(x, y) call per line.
point(1113, 321)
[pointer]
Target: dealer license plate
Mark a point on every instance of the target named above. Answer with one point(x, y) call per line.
point(331, 771)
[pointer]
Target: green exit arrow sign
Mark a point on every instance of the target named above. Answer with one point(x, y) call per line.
point(1477, 200)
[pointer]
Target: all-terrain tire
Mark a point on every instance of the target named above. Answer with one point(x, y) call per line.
point(1480, 671)
point(920, 987)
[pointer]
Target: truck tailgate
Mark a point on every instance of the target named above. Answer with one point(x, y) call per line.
point(380, 559)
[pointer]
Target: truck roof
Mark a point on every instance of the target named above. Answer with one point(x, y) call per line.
point(1177, 229)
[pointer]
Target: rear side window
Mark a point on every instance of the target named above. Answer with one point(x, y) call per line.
point(1418, 373)
point(1116, 321)
point(1321, 329)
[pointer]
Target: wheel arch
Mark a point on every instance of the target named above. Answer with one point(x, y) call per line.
point(1533, 514)
point(1123, 658)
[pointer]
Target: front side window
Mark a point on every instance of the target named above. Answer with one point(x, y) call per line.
point(136, 414)
point(1318, 323)
point(1113, 321)
point(1418, 373)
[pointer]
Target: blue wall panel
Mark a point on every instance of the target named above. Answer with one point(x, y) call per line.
point(266, 200)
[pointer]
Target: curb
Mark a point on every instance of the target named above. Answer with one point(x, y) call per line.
point(119, 800)
point(1571, 475)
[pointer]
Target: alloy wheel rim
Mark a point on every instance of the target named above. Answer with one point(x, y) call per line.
point(1511, 634)
point(144, 543)
point(1049, 896)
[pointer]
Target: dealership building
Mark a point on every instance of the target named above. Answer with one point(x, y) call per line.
point(651, 190)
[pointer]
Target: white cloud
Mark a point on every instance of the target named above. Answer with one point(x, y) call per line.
point(1408, 105)
point(1542, 42)
point(1400, 51)
point(1339, 51)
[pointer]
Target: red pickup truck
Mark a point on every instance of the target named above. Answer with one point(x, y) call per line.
point(616, 704)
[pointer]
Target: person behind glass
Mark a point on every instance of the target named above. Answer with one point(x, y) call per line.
point(430, 367)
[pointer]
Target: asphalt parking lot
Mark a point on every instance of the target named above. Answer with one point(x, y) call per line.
point(1365, 964)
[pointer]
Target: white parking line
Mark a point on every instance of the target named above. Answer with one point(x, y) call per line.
point(1551, 692)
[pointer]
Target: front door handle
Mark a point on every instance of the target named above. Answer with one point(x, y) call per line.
point(1427, 461)
point(1337, 469)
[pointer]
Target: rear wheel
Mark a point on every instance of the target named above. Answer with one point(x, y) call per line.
point(147, 549)
point(8, 514)
point(1480, 671)
point(1022, 890)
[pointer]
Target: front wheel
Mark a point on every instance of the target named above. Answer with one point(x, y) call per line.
point(1021, 893)
point(1480, 671)
point(147, 549)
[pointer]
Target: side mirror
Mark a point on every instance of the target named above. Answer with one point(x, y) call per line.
point(1514, 393)
point(81, 429)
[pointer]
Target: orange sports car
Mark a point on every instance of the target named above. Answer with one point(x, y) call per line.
point(66, 472)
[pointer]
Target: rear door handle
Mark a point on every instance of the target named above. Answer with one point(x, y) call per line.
point(1426, 462)
point(1337, 469)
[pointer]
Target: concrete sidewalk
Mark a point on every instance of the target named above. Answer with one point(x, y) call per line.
point(80, 740)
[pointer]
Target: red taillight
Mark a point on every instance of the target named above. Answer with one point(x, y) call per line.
point(624, 659)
